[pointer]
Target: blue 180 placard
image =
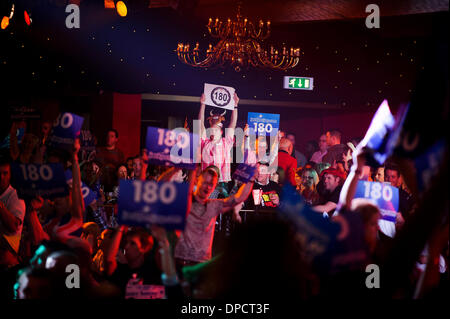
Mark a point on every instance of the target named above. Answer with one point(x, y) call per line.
point(171, 147)
point(46, 180)
point(244, 172)
point(66, 128)
point(88, 195)
point(383, 195)
point(316, 233)
point(142, 203)
point(263, 123)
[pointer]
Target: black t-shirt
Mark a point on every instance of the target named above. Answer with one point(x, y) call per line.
point(270, 188)
point(331, 197)
point(148, 272)
point(334, 153)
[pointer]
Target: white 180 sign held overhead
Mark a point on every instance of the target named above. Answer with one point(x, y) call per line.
point(219, 96)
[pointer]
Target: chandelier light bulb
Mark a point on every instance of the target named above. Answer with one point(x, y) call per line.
point(239, 46)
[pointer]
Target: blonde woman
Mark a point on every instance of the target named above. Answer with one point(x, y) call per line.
point(309, 181)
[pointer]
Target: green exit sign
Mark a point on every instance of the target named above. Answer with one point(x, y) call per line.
point(298, 83)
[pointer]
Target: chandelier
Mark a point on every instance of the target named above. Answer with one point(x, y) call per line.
point(239, 46)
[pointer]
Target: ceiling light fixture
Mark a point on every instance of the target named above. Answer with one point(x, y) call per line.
point(239, 46)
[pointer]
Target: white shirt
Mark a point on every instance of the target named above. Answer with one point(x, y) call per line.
point(317, 156)
point(16, 207)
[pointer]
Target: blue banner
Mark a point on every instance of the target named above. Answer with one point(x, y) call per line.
point(330, 244)
point(31, 180)
point(142, 203)
point(383, 132)
point(317, 233)
point(88, 195)
point(171, 147)
point(263, 123)
point(383, 195)
point(244, 172)
point(376, 136)
point(66, 128)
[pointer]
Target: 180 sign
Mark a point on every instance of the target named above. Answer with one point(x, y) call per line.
point(220, 96)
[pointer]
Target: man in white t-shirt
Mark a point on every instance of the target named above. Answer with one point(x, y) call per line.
point(12, 213)
point(323, 147)
point(216, 149)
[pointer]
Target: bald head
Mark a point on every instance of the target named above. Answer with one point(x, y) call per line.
point(286, 145)
point(58, 261)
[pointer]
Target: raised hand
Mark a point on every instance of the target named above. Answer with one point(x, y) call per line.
point(236, 217)
point(160, 234)
point(275, 199)
point(144, 156)
point(236, 99)
point(202, 99)
point(246, 130)
point(76, 148)
point(359, 158)
point(37, 203)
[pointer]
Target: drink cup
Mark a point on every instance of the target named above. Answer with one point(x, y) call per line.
point(257, 196)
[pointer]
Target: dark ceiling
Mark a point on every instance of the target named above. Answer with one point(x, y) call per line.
point(353, 67)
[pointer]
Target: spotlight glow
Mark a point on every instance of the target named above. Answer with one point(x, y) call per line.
point(121, 8)
point(5, 23)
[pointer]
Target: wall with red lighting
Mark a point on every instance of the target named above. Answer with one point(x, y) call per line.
point(351, 125)
point(127, 121)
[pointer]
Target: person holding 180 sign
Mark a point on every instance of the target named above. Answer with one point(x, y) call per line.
point(215, 149)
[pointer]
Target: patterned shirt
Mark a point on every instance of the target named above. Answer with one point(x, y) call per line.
point(218, 154)
point(196, 240)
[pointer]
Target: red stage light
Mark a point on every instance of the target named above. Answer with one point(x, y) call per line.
point(27, 17)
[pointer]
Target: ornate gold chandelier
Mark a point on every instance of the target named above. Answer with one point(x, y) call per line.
point(239, 46)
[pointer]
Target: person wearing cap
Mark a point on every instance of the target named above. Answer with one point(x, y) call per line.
point(215, 149)
point(333, 180)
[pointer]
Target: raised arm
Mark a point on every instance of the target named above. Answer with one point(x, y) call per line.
point(192, 181)
point(13, 143)
point(112, 250)
point(144, 165)
point(240, 196)
point(234, 116)
point(167, 262)
point(77, 208)
point(201, 117)
point(36, 231)
point(349, 188)
point(325, 208)
point(168, 174)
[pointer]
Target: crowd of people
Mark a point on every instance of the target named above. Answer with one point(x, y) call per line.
point(261, 257)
